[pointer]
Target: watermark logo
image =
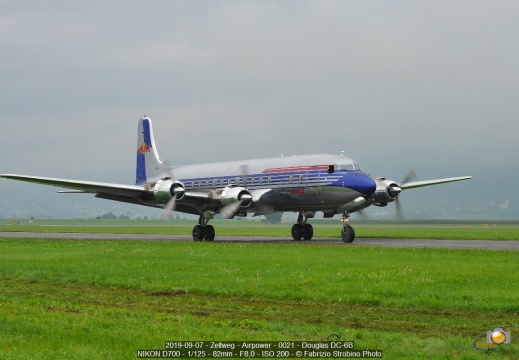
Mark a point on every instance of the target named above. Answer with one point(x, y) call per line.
point(497, 337)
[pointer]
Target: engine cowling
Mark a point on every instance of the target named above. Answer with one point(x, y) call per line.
point(165, 189)
point(387, 191)
point(232, 195)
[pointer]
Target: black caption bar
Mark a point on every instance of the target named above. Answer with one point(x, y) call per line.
point(258, 350)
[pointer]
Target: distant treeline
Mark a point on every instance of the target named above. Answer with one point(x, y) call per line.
point(111, 215)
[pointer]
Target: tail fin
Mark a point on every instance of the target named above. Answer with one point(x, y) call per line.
point(149, 164)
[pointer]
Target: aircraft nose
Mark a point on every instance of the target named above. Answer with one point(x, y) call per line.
point(363, 183)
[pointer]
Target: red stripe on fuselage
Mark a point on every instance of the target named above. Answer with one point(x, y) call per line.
point(295, 168)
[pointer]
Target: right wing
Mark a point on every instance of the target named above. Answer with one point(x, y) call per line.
point(83, 186)
point(193, 202)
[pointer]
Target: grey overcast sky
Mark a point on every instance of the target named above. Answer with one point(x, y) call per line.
point(429, 85)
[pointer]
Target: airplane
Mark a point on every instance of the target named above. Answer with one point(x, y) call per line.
point(332, 184)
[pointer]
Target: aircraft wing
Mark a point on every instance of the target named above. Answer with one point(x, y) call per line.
point(193, 202)
point(417, 184)
point(83, 186)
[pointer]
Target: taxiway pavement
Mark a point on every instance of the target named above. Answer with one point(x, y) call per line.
point(412, 243)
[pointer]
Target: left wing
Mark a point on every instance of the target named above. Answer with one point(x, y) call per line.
point(417, 184)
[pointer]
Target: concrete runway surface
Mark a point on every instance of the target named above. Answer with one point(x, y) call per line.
point(414, 243)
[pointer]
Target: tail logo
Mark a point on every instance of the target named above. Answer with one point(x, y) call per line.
point(144, 148)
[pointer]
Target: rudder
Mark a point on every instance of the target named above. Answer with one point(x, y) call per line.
point(149, 164)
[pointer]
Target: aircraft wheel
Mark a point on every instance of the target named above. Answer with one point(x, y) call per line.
point(209, 233)
point(297, 232)
point(198, 233)
point(348, 234)
point(308, 231)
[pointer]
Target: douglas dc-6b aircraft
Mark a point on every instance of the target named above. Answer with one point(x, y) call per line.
point(333, 184)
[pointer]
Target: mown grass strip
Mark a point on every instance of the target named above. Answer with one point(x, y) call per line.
point(90, 321)
point(106, 299)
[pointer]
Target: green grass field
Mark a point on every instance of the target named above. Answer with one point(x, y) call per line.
point(80, 299)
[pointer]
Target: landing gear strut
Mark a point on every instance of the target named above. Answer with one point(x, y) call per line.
point(348, 233)
point(301, 229)
point(202, 231)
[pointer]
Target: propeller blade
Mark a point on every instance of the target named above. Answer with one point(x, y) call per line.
point(170, 206)
point(363, 215)
point(399, 212)
point(244, 173)
point(230, 211)
point(410, 176)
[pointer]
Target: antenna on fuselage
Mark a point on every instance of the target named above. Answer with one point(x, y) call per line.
point(340, 152)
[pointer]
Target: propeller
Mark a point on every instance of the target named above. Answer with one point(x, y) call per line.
point(229, 211)
point(410, 176)
point(171, 204)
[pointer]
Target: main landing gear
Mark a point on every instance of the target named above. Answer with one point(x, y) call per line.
point(301, 229)
point(203, 231)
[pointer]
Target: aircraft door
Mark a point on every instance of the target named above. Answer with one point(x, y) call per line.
point(313, 177)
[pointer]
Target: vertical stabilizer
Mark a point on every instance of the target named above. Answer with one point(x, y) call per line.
point(149, 165)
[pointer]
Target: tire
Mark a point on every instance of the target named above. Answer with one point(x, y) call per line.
point(209, 233)
point(348, 234)
point(198, 233)
point(308, 231)
point(297, 232)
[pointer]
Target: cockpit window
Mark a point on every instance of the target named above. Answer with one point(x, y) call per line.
point(351, 166)
point(346, 167)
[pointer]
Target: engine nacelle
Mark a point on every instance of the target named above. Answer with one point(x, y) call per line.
point(234, 194)
point(165, 189)
point(387, 191)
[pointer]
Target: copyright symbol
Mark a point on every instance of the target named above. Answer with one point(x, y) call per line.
point(299, 353)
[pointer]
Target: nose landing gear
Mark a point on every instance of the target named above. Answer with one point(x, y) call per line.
point(347, 233)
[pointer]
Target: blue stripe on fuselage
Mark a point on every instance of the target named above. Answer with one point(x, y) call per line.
point(351, 179)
